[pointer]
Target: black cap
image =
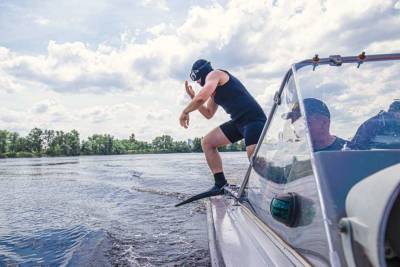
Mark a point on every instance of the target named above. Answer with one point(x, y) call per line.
point(395, 106)
point(199, 64)
point(316, 106)
point(199, 71)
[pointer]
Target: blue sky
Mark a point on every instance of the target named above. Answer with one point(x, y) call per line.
point(119, 66)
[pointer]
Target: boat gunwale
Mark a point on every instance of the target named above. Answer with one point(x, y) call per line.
point(285, 248)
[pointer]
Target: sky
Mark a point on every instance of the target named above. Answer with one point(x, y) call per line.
point(119, 66)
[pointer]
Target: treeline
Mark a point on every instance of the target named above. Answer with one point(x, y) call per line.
point(58, 143)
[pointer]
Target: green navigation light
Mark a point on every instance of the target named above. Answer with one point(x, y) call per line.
point(283, 208)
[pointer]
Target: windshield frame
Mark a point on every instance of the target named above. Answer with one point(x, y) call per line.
point(333, 60)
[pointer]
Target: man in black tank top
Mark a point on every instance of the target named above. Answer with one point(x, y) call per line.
point(220, 88)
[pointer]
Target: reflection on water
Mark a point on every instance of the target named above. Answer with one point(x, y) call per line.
point(106, 210)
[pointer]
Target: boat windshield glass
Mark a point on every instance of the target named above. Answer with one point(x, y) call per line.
point(282, 166)
point(350, 108)
point(352, 118)
point(349, 118)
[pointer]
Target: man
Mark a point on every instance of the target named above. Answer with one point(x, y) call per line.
point(318, 120)
point(381, 131)
point(220, 88)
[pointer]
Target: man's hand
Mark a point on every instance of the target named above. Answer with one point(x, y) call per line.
point(184, 120)
point(189, 90)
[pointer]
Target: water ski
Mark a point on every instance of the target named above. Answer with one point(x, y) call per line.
point(214, 191)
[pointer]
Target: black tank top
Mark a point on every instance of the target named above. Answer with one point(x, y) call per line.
point(237, 101)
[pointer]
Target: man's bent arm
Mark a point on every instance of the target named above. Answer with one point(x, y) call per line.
point(209, 109)
point(198, 101)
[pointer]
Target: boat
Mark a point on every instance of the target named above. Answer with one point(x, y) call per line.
point(303, 204)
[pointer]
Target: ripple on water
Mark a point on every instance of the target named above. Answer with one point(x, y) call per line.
point(55, 246)
point(105, 211)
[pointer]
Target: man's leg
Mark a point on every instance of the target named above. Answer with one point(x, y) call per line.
point(210, 144)
point(225, 134)
point(250, 150)
point(252, 133)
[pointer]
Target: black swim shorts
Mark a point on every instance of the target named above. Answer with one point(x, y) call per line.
point(250, 131)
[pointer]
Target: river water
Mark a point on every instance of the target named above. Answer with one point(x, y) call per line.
point(106, 210)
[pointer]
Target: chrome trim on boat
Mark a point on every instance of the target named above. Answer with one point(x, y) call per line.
point(349, 59)
point(215, 253)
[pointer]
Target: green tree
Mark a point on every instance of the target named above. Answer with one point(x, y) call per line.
point(132, 138)
point(242, 145)
point(23, 145)
point(54, 142)
point(119, 147)
point(72, 144)
point(57, 143)
point(3, 141)
point(163, 143)
point(13, 139)
point(100, 144)
point(234, 147)
point(86, 148)
point(196, 146)
point(143, 147)
point(35, 138)
point(181, 147)
point(48, 142)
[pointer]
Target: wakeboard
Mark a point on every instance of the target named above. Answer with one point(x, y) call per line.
point(214, 191)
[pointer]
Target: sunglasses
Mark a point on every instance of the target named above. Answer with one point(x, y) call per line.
point(195, 74)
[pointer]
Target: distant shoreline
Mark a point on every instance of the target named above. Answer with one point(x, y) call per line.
point(2, 156)
point(50, 143)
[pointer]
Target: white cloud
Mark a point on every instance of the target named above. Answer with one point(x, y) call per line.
point(72, 67)
point(49, 113)
point(4, 52)
point(157, 29)
point(385, 46)
point(52, 111)
point(158, 115)
point(8, 83)
point(255, 40)
point(397, 5)
point(10, 116)
point(42, 107)
point(41, 21)
point(160, 4)
point(102, 114)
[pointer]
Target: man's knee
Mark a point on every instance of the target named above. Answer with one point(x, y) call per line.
point(208, 143)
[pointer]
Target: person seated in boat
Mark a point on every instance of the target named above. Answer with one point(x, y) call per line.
point(382, 131)
point(221, 88)
point(319, 120)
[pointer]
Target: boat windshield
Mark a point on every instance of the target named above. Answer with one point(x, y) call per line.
point(350, 108)
point(349, 118)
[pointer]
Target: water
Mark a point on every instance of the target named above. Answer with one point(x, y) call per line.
point(106, 210)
